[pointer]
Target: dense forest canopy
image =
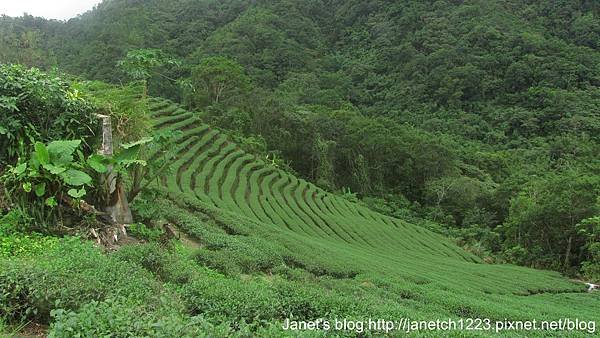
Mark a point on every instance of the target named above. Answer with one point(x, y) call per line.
point(482, 116)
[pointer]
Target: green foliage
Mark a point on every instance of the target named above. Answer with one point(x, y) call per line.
point(26, 245)
point(14, 241)
point(479, 115)
point(472, 102)
point(126, 318)
point(36, 106)
point(546, 213)
point(128, 111)
point(349, 195)
point(218, 80)
point(166, 265)
point(232, 299)
point(31, 287)
point(141, 231)
point(144, 208)
point(131, 160)
point(52, 174)
point(141, 64)
point(590, 229)
point(122, 317)
point(138, 64)
point(239, 256)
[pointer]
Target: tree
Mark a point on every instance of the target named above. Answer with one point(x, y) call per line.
point(218, 79)
point(142, 64)
point(543, 217)
point(590, 229)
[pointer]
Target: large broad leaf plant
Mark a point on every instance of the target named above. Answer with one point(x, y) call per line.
point(58, 174)
point(53, 172)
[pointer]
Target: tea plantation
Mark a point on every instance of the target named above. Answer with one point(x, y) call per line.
point(253, 218)
point(254, 247)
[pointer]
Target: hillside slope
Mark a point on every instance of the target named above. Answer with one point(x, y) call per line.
point(264, 211)
point(491, 103)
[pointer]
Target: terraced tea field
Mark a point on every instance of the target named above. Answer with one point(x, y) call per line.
point(414, 272)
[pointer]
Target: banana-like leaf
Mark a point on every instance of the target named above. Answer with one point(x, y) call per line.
point(128, 154)
point(140, 142)
point(97, 162)
point(54, 169)
point(61, 152)
point(75, 177)
point(41, 153)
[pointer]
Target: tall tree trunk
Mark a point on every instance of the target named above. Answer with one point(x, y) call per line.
point(568, 252)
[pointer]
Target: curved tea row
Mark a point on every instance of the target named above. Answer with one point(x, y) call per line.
point(219, 173)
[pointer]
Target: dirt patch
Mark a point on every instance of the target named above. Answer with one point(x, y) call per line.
point(183, 237)
point(32, 330)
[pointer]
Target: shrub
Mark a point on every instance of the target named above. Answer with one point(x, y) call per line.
point(240, 254)
point(128, 112)
point(123, 317)
point(14, 221)
point(218, 260)
point(145, 208)
point(50, 175)
point(26, 245)
point(231, 298)
point(71, 274)
point(294, 274)
point(591, 268)
point(48, 109)
point(167, 266)
point(13, 242)
point(141, 231)
point(306, 301)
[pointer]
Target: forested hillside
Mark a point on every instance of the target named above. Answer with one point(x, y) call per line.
point(273, 168)
point(481, 116)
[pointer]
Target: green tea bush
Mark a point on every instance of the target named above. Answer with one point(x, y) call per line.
point(145, 209)
point(166, 266)
point(231, 298)
point(13, 242)
point(123, 317)
point(230, 254)
point(71, 274)
point(238, 257)
point(142, 231)
point(250, 254)
point(256, 300)
point(293, 274)
point(218, 260)
point(17, 244)
point(306, 301)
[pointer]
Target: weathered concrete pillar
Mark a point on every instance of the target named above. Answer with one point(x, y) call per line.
point(116, 205)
